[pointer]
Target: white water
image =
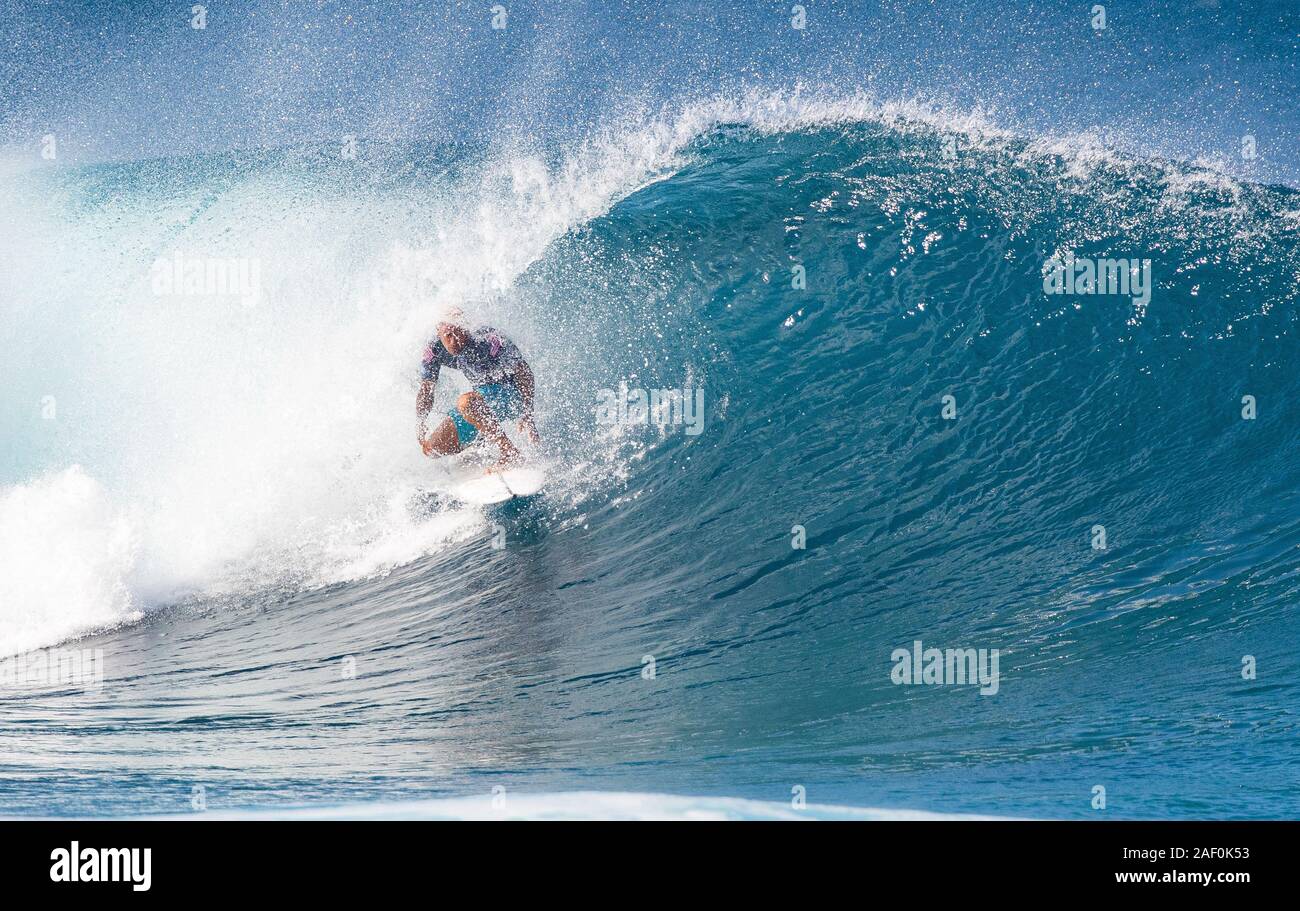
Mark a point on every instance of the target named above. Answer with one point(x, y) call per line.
point(210, 443)
point(592, 805)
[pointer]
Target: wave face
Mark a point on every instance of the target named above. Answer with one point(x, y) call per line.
point(215, 491)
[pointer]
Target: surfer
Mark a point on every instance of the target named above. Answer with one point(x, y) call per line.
point(503, 390)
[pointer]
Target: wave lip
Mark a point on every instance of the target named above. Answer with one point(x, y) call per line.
point(595, 806)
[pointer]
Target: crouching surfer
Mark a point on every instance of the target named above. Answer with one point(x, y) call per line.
point(503, 390)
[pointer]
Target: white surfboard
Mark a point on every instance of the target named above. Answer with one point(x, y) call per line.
point(500, 486)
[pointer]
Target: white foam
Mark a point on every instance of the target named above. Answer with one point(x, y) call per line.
point(589, 805)
point(66, 557)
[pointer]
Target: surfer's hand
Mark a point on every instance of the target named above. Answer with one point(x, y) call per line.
point(527, 426)
point(426, 444)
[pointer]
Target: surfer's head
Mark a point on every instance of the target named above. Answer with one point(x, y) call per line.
point(452, 331)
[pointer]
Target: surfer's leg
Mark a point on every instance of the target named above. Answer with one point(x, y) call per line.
point(473, 407)
point(444, 440)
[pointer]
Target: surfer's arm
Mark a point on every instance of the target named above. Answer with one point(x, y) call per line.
point(430, 367)
point(423, 405)
point(526, 385)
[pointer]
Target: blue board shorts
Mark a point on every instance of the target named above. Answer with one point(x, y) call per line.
point(503, 400)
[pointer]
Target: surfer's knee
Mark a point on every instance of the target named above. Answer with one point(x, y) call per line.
point(443, 441)
point(470, 405)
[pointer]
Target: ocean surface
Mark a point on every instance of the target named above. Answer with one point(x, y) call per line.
point(211, 501)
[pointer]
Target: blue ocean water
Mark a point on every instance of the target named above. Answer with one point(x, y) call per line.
point(904, 436)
